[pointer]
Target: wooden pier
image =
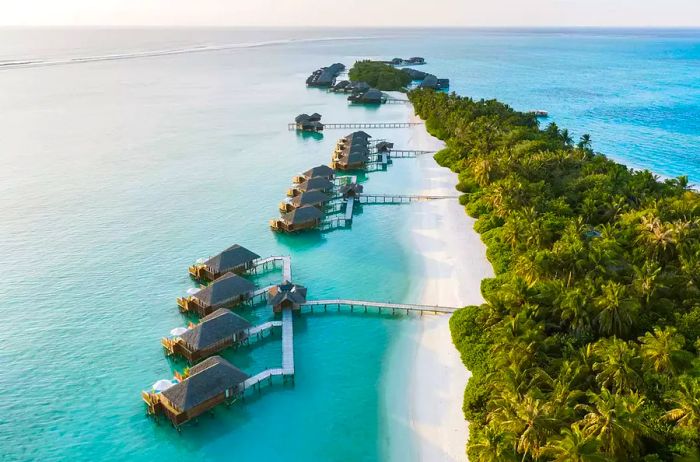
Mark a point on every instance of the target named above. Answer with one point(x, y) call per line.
point(362, 125)
point(266, 263)
point(397, 198)
point(287, 369)
point(351, 305)
point(397, 101)
point(407, 153)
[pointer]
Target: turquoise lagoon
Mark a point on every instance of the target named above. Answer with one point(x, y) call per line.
point(119, 173)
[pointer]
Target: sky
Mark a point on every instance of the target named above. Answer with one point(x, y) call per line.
point(367, 13)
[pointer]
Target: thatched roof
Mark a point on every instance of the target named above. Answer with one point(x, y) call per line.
point(358, 137)
point(315, 117)
point(302, 215)
point(219, 325)
point(372, 95)
point(313, 197)
point(359, 87)
point(430, 81)
point(224, 289)
point(322, 170)
point(207, 379)
point(288, 291)
point(351, 189)
point(415, 74)
point(353, 158)
point(317, 182)
point(230, 258)
point(384, 146)
point(341, 85)
point(301, 118)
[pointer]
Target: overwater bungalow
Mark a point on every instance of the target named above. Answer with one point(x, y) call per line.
point(430, 81)
point(358, 87)
point(384, 146)
point(442, 84)
point(287, 296)
point(225, 292)
point(235, 259)
point(309, 123)
point(371, 96)
point(353, 160)
point(415, 60)
point(414, 73)
point(316, 183)
point(350, 190)
point(323, 171)
point(341, 86)
point(325, 77)
point(358, 138)
point(307, 217)
point(313, 198)
point(208, 384)
point(214, 333)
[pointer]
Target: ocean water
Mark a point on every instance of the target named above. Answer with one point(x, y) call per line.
point(128, 154)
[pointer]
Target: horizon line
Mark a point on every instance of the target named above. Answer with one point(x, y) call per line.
point(233, 26)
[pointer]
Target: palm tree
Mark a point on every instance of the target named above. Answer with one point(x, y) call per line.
point(686, 402)
point(574, 446)
point(585, 142)
point(615, 310)
point(616, 422)
point(659, 347)
point(646, 279)
point(575, 310)
point(490, 445)
point(530, 420)
point(617, 367)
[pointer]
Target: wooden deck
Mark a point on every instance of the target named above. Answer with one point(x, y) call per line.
point(362, 125)
point(339, 304)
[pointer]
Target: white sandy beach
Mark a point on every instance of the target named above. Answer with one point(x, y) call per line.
point(454, 263)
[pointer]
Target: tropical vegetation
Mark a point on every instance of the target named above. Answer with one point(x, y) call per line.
point(586, 348)
point(379, 75)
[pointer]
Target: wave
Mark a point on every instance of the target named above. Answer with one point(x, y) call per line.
point(15, 64)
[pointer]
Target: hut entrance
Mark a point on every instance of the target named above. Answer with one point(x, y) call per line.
point(287, 304)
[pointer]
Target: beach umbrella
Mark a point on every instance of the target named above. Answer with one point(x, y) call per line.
point(193, 290)
point(162, 385)
point(178, 331)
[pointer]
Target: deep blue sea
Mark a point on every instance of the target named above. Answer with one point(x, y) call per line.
point(126, 154)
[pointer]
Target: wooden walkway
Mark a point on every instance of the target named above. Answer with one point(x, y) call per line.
point(284, 259)
point(397, 198)
point(397, 101)
point(365, 305)
point(407, 153)
point(362, 125)
point(287, 369)
point(255, 330)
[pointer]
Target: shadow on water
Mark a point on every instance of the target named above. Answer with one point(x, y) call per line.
point(301, 238)
point(366, 106)
point(318, 136)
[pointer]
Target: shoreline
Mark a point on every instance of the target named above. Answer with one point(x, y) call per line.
point(453, 262)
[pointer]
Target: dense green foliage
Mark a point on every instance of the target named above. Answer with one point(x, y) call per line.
point(379, 75)
point(587, 346)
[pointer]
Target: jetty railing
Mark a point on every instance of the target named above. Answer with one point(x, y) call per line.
point(362, 125)
point(397, 198)
point(287, 369)
point(351, 305)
